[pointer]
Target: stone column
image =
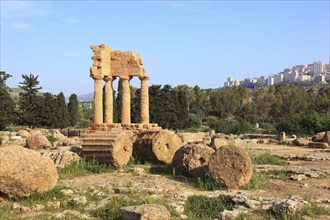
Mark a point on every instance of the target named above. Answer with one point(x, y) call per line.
point(98, 103)
point(108, 113)
point(126, 101)
point(144, 100)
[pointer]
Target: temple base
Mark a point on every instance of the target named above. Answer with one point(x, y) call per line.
point(118, 126)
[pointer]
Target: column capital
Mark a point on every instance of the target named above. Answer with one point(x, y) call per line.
point(144, 77)
point(125, 77)
point(96, 77)
point(109, 78)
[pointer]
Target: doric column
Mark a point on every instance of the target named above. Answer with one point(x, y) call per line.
point(126, 101)
point(144, 100)
point(108, 113)
point(98, 104)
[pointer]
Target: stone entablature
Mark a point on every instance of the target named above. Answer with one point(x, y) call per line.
point(109, 64)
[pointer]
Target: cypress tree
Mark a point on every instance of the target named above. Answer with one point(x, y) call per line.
point(49, 108)
point(62, 112)
point(73, 109)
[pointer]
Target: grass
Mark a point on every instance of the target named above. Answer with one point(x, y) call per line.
point(83, 168)
point(266, 158)
point(257, 181)
point(112, 209)
point(201, 207)
point(42, 198)
point(280, 174)
point(5, 208)
point(312, 211)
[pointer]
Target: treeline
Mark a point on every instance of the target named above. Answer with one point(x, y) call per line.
point(284, 107)
point(48, 110)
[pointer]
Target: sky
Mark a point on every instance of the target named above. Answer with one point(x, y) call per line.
point(181, 42)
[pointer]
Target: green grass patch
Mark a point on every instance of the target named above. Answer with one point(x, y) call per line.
point(266, 158)
point(206, 183)
point(257, 181)
point(112, 209)
point(5, 208)
point(280, 174)
point(42, 198)
point(83, 168)
point(201, 207)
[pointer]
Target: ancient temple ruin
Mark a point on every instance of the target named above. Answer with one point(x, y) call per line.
point(108, 65)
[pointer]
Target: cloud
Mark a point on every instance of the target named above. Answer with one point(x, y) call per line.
point(20, 26)
point(15, 14)
point(71, 20)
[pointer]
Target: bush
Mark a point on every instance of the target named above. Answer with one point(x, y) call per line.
point(242, 127)
point(195, 121)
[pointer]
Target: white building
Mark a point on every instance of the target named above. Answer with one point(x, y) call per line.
point(304, 78)
point(278, 78)
point(270, 80)
point(318, 67)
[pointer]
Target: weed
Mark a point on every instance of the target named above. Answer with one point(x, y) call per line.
point(84, 167)
point(284, 143)
point(280, 174)
point(5, 208)
point(266, 158)
point(257, 181)
point(51, 139)
point(112, 209)
point(201, 207)
point(42, 198)
point(167, 170)
point(206, 183)
point(311, 210)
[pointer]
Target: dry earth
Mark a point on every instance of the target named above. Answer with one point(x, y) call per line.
point(307, 174)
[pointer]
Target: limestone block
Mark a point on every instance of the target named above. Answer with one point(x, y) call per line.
point(24, 171)
point(157, 145)
point(145, 212)
point(193, 158)
point(231, 166)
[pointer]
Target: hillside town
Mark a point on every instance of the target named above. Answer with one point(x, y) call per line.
point(304, 74)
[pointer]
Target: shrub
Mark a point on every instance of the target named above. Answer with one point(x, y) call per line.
point(195, 121)
point(51, 139)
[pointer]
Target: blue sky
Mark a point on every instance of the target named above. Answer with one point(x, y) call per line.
point(181, 42)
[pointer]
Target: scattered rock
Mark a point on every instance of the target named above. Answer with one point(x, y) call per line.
point(37, 141)
point(24, 171)
point(157, 146)
point(23, 133)
point(301, 142)
point(318, 145)
point(229, 214)
point(231, 166)
point(61, 158)
point(193, 158)
point(326, 137)
point(288, 206)
point(318, 137)
point(145, 212)
point(217, 143)
point(79, 200)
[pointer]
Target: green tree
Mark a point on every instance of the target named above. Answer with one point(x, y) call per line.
point(7, 105)
point(49, 108)
point(73, 109)
point(62, 112)
point(29, 103)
